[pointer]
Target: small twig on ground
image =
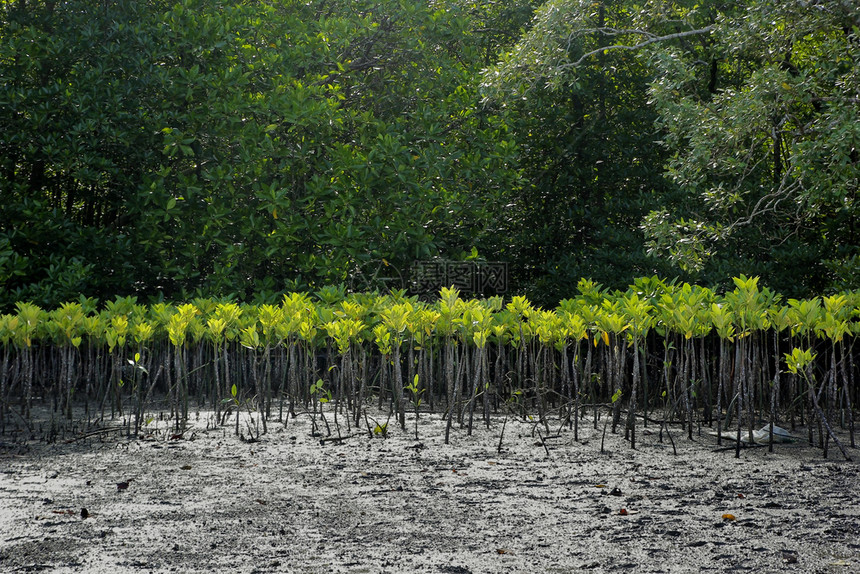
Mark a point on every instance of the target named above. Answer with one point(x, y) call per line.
point(94, 433)
point(668, 434)
point(336, 438)
point(542, 441)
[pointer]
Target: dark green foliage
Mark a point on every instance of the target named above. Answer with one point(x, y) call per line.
point(242, 149)
point(588, 150)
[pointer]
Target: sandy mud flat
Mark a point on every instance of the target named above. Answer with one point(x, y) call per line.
point(206, 501)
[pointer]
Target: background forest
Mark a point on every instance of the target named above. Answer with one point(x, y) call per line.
point(246, 148)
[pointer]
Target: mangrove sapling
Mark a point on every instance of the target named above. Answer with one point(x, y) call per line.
point(450, 307)
point(4, 378)
point(574, 331)
point(552, 337)
point(396, 318)
point(706, 382)
point(426, 360)
point(688, 369)
point(537, 379)
point(320, 396)
point(593, 378)
point(343, 394)
point(637, 312)
point(116, 337)
point(565, 407)
point(24, 333)
point(271, 321)
point(376, 429)
point(67, 322)
point(612, 327)
point(577, 393)
point(460, 386)
point(835, 325)
point(848, 383)
point(344, 332)
point(774, 391)
point(416, 399)
point(453, 384)
point(234, 401)
point(138, 372)
point(251, 342)
point(486, 389)
point(480, 339)
point(293, 376)
point(177, 329)
point(631, 413)
point(281, 376)
point(362, 384)
point(800, 362)
point(336, 404)
point(740, 377)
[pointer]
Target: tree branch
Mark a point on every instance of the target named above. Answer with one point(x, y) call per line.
point(652, 39)
point(768, 203)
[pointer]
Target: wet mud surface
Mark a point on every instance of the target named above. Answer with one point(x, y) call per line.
point(207, 501)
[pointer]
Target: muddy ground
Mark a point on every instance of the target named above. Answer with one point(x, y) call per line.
point(207, 501)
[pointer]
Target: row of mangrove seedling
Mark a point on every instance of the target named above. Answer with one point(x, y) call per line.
point(673, 353)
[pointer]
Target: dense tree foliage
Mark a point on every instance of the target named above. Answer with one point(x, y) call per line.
point(766, 143)
point(586, 136)
point(732, 126)
point(245, 148)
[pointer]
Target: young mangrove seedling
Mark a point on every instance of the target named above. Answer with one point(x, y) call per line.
point(376, 429)
point(235, 401)
point(798, 362)
point(416, 399)
point(232, 402)
point(322, 396)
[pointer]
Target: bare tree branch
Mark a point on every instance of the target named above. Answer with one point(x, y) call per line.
point(768, 203)
point(652, 39)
